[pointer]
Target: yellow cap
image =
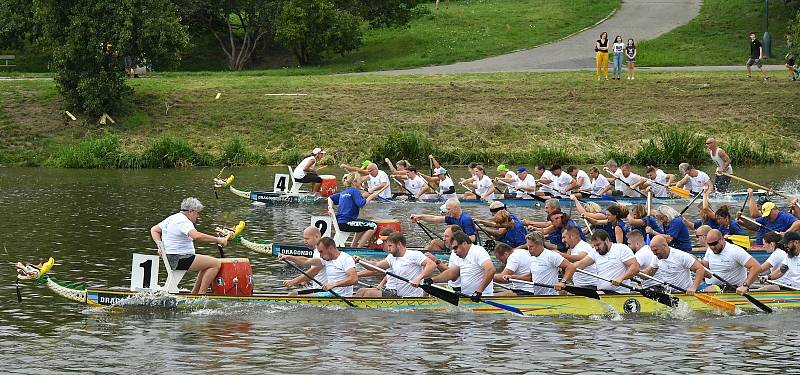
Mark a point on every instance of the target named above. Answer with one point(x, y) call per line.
point(766, 208)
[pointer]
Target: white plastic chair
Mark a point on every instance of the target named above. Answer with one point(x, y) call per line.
point(295, 185)
point(173, 276)
point(339, 237)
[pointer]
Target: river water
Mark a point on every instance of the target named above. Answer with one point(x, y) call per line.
point(91, 221)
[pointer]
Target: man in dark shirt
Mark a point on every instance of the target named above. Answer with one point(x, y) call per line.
point(756, 55)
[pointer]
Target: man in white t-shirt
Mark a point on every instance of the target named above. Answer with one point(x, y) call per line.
point(340, 268)
point(600, 185)
point(561, 180)
point(544, 265)
point(730, 262)
point(615, 262)
point(175, 237)
point(580, 182)
point(675, 267)
point(628, 179)
point(545, 179)
point(377, 180)
point(694, 180)
point(644, 255)
point(476, 269)
point(409, 264)
point(505, 173)
point(789, 270)
point(614, 174)
point(656, 181)
point(311, 236)
point(576, 250)
point(517, 264)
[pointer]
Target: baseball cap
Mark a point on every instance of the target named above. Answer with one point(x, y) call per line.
point(502, 168)
point(317, 151)
point(521, 169)
point(766, 208)
point(790, 236)
point(365, 164)
point(440, 170)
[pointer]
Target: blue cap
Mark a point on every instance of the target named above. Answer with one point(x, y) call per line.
point(521, 169)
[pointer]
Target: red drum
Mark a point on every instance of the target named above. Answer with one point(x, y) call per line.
point(394, 224)
point(235, 278)
point(328, 187)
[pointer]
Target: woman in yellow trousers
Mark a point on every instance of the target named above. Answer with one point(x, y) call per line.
point(601, 55)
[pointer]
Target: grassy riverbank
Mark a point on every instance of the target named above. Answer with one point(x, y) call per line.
point(520, 118)
point(718, 36)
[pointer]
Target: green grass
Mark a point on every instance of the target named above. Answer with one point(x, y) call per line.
point(510, 117)
point(719, 35)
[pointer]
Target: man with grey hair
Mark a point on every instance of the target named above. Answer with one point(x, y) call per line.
point(175, 236)
point(551, 205)
point(675, 230)
point(614, 174)
point(454, 216)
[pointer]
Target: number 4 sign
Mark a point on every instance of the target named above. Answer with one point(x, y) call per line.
point(281, 183)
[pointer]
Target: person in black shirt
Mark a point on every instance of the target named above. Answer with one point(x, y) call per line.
point(630, 53)
point(756, 55)
point(601, 55)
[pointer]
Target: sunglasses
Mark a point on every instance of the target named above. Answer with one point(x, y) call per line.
point(708, 143)
point(713, 243)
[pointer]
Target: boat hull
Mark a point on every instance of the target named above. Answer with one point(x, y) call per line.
point(530, 305)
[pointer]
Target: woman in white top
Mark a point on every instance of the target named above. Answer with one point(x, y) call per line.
point(306, 171)
point(175, 236)
point(619, 51)
point(484, 188)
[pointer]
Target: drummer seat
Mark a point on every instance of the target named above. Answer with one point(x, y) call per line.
point(295, 185)
point(340, 237)
point(173, 276)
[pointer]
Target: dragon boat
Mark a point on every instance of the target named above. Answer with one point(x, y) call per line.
point(606, 305)
point(281, 195)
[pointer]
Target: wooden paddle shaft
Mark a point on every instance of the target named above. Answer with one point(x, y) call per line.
point(751, 183)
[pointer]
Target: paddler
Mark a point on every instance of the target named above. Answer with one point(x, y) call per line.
point(504, 172)
point(580, 181)
point(614, 261)
point(524, 184)
point(175, 237)
point(561, 181)
point(544, 267)
point(551, 205)
point(731, 262)
point(614, 174)
point(777, 256)
point(476, 270)
point(414, 184)
point(789, 271)
point(504, 226)
point(675, 230)
point(311, 236)
point(545, 179)
point(445, 188)
point(340, 268)
point(577, 249)
point(694, 180)
point(675, 266)
point(306, 171)
point(627, 179)
point(454, 216)
point(770, 218)
point(350, 201)
point(600, 184)
point(656, 182)
point(723, 163)
point(517, 264)
point(481, 184)
point(410, 264)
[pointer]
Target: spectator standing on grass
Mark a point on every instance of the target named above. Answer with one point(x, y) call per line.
point(601, 54)
point(791, 60)
point(630, 53)
point(619, 50)
point(756, 55)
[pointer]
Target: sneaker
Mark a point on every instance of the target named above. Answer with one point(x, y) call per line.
point(633, 77)
point(766, 78)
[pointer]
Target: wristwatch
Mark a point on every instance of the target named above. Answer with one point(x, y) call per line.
point(438, 261)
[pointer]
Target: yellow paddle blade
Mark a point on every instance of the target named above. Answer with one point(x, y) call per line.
point(229, 180)
point(683, 193)
point(47, 266)
point(716, 302)
point(239, 228)
point(740, 240)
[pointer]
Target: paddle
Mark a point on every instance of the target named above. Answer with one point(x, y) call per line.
point(534, 196)
point(683, 193)
point(745, 218)
point(427, 231)
point(589, 227)
point(626, 184)
point(647, 217)
point(739, 240)
point(490, 242)
point(434, 290)
point(662, 298)
point(411, 196)
point(705, 298)
point(782, 285)
point(318, 283)
point(218, 176)
point(576, 290)
point(751, 183)
point(750, 298)
point(691, 202)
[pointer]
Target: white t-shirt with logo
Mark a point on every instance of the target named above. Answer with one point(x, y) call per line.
point(729, 264)
point(471, 271)
point(612, 266)
point(415, 185)
point(544, 270)
point(676, 269)
point(529, 181)
point(175, 234)
point(336, 270)
point(408, 266)
point(379, 179)
point(483, 186)
point(658, 190)
point(695, 184)
point(792, 275)
point(580, 279)
point(519, 262)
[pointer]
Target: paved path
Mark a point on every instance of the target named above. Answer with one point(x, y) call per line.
point(640, 19)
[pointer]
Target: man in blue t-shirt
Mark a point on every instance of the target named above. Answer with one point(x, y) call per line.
point(453, 216)
point(770, 219)
point(350, 202)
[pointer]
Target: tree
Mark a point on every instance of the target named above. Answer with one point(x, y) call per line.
point(311, 28)
point(794, 30)
point(89, 38)
point(381, 13)
point(238, 25)
point(18, 26)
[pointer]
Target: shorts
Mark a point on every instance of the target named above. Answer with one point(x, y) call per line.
point(521, 292)
point(721, 183)
point(751, 61)
point(180, 262)
point(790, 62)
point(310, 178)
point(632, 60)
point(357, 226)
point(389, 293)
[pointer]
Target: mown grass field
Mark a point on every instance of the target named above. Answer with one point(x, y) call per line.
point(718, 36)
point(488, 116)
